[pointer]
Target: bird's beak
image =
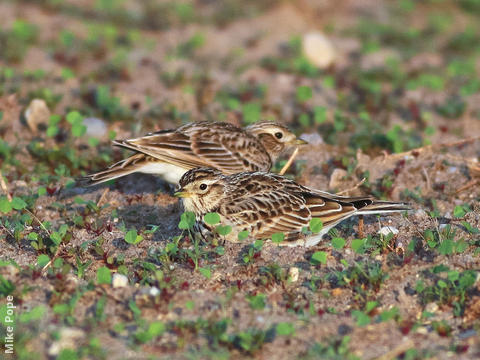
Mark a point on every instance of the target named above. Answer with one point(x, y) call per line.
point(299, 142)
point(182, 194)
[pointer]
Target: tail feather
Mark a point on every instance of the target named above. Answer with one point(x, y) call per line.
point(382, 207)
point(124, 167)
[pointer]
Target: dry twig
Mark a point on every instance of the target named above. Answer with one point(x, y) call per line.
point(289, 162)
point(4, 187)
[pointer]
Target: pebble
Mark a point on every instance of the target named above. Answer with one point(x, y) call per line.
point(441, 227)
point(119, 280)
point(420, 213)
point(318, 49)
point(293, 273)
point(95, 127)
point(337, 178)
point(312, 139)
point(69, 339)
point(388, 230)
point(37, 113)
point(154, 291)
point(431, 307)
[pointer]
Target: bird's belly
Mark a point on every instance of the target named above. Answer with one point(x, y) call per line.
point(169, 172)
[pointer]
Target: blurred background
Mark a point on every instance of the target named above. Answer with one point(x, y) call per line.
point(362, 81)
point(375, 75)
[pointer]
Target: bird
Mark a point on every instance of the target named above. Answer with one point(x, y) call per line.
point(220, 145)
point(264, 204)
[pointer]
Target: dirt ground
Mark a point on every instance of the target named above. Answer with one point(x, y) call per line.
point(398, 107)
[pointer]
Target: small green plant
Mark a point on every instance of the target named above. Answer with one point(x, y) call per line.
point(253, 251)
point(336, 349)
point(451, 289)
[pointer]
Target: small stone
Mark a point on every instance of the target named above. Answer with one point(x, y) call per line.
point(11, 270)
point(337, 178)
point(312, 139)
point(420, 213)
point(69, 339)
point(119, 280)
point(442, 227)
point(431, 307)
point(388, 230)
point(95, 127)
point(318, 49)
point(154, 291)
point(37, 113)
point(293, 273)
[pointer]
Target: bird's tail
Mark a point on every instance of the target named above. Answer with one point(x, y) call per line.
point(382, 207)
point(132, 164)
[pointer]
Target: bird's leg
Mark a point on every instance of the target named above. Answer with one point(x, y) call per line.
point(360, 227)
point(289, 162)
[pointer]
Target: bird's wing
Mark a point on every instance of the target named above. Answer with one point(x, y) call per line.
point(230, 151)
point(217, 145)
point(329, 208)
point(266, 214)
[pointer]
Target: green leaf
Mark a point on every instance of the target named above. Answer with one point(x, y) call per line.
point(156, 328)
point(446, 247)
point(315, 225)
point(223, 229)
point(441, 284)
point(459, 211)
point(251, 113)
point(18, 203)
point(362, 318)
point(320, 114)
point(319, 257)
point(211, 218)
point(304, 93)
point(67, 354)
point(257, 302)
point(74, 117)
point(132, 237)
point(470, 228)
point(338, 243)
point(36, 313)
point(79, 130)
point(5, 205)
point(93, 142)
point(52, 130)
point(453, 275)
point(187, 220)
point(370, 306)
point(56, 238)
point(104, 276)
point(389, 314)
point(358, 245)
point(61, 309)
point(42, 260)
point(278, 237)
point(205, 272)
point(285, 329)
point(242, 235)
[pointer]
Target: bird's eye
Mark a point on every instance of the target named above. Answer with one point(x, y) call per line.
point(278, 135)
point(203, 186)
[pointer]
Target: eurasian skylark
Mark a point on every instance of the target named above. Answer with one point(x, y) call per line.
point(219, 145)
point(264, 204)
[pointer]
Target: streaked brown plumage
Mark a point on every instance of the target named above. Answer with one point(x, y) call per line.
point(265, 203)
point(170, 153)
